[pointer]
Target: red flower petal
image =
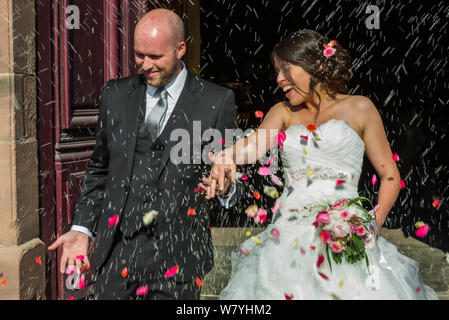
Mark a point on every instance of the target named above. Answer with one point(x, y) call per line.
point(259, 114)
point(303, 252)
point(191, 212)
point(257, 195)
point(198, 282)
point(340, 182)
point(305, 137)
point(38, 260)
point(418, 289)
point(323, 275)
point(311, 127)
point(124, 272)
point(436, 204)
point(288, 296)
point(312, 247)
point(320, 260)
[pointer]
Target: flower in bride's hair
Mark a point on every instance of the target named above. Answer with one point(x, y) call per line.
point(264, 171)
point(323, 217)
point(251, 211)
point(325, 236)
point(281, 138)
point(327, 52)
point(341, 229)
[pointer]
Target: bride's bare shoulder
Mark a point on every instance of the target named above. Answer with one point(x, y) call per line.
point(361, 104)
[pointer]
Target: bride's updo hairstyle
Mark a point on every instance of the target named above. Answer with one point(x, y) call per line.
point(306, 48)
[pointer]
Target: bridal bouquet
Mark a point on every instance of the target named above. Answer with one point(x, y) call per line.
point(345, 229)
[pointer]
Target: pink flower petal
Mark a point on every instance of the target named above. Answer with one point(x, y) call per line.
point(275, 233)
point(80, 257)
point(81, 283)
point(323, 217)
point(276, 207)
point(340, 182)
point(172, 271)
point(281, 138)
point(422, 231)
point(276, 180)
point(142, 291)
point(270, 161)
point(245, 251)
point(305, 137)
point(402, 184)
point(244, 177)
point(264, 171)
point(374, 180)
point(395, 157)
point(113, 220)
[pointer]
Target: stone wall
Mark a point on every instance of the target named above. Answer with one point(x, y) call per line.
point(22, 253)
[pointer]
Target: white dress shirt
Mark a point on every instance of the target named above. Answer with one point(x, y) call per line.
point(174, 89)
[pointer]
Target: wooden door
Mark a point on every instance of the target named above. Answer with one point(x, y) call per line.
point(73, 65)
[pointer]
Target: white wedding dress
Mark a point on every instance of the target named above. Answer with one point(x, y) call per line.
point(286, 267)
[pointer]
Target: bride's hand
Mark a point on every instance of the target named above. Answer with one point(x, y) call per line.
point(223, 167)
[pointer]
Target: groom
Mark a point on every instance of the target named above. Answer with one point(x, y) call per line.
point(152, 232)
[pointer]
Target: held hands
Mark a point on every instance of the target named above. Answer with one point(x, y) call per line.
point(223, 172)
point(74, 244)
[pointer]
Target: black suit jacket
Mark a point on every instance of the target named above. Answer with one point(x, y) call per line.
point(183, 239)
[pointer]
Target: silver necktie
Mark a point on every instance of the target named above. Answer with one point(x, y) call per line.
point(156, 117)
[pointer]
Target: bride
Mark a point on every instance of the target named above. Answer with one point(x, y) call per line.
point(323, 134)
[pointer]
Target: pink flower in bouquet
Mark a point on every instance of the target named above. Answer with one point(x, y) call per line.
point(344, 201)
point(361, 231)
point(325, 236)
point(337, 206)
point(323, 217)
point(336, 247)
point(341, 229)
point(344, 215)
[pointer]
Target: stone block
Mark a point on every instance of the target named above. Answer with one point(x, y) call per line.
point(19, 193)
point(22, 270)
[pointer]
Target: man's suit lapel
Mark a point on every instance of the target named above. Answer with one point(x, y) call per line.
point(136, 97)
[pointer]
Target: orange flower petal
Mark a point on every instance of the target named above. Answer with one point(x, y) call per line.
point(311, 127)
point(191, 212)
point(38, 260)
point(124, 272)
point(198, 282)
point(4, 282)
point(257, 195)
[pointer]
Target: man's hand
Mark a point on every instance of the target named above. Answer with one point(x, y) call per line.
point(223, 172)
point(74, 244)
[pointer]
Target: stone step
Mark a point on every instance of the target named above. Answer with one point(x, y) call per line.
point(433, 264)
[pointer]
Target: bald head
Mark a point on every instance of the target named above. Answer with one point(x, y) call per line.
point(162, 22)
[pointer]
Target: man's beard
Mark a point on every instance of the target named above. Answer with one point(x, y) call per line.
point(162, 78)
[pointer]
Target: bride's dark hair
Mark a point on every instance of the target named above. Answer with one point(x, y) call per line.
point(304, 48)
